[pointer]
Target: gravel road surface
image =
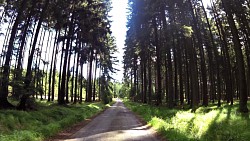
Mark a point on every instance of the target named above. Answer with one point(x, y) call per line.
point(115, 124)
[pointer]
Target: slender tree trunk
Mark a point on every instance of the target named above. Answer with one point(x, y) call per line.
point(193, 75)
point(142, 81)
point(54, 72)
point(169, 68)
point(76, 78)
point(40, 76)
point(94, 91)
point(45, 67)
point(73, 95)
point(81, 83)
point(187, 76)
point(86, 95)
point(134, 93)
point(68, 73)
point(149, 79)
point(179, 60)
point(98, 83)
point(145, 79)
point(158, 64)
point(51, 63)
point(61, 64)
point(176, 90)
point(90, 94)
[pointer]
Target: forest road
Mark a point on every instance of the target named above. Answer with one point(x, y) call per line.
point(117, 123)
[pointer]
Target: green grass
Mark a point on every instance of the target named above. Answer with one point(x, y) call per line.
point(45, 122)
point(206, 124)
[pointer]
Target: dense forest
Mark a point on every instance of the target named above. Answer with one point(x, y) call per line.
point(55, 50)
point(186, 70)
point(184, 52)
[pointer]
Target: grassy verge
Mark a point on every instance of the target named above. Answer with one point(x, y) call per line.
point(45, 122)
point(210, 123)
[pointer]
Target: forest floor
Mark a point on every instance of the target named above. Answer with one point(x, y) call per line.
point(116, 123)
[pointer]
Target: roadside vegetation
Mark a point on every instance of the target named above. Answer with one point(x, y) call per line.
point(207, 123)
point(46, 121)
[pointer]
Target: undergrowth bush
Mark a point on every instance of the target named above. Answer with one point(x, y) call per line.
point(206, 124)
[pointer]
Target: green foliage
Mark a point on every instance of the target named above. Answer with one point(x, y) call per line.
point(187, 31)
point(208, 123)
point(45, 122)
point(107, 97)
point(124, 91)
point(2, 1)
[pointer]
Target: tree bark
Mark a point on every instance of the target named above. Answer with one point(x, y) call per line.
point(90, 94)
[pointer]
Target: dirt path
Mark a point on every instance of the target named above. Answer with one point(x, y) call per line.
point(115, 124)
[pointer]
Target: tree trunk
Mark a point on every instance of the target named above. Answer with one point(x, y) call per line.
point(68, 73)
point(76, 78)
point(179, 60)
point(45, 67)
point(51, 63)
point(54, 72)
point(134, 93)
point(73, 96)
point(145, 80)
point(193, 75)
point(94, 90)
point(149, 79)
point(90, 94)
point(169, 68)
point(158, 63)
point(81, 84)
point(176, 90)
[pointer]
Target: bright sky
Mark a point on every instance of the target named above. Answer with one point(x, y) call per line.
point(118, 27)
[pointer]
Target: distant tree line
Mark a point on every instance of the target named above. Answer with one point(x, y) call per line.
point(47, 44)
point(179, 52)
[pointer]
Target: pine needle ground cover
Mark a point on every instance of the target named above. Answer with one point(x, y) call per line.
point(206, 124)
point(45, 122)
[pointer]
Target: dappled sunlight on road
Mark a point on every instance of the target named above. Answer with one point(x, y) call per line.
point(119, 135)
